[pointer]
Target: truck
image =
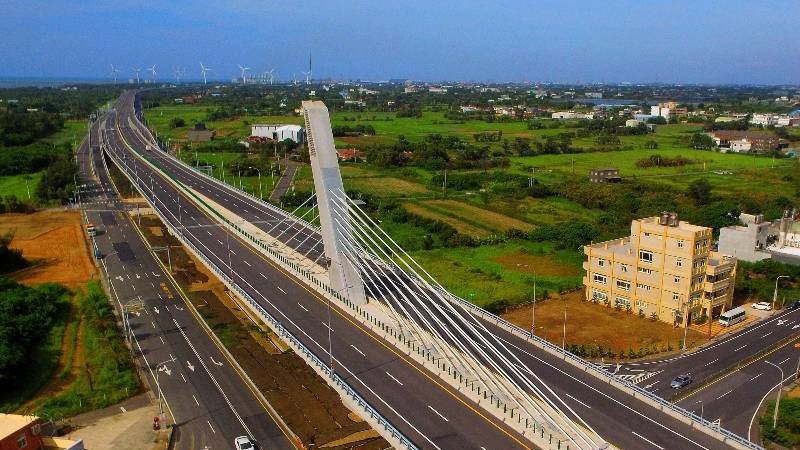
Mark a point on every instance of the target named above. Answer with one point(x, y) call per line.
point(91, 230)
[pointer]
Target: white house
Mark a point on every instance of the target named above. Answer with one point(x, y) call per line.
point(741, 146)
point(278, 132)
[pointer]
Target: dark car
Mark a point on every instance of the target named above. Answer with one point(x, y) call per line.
point(681, 381)
point(794, 305)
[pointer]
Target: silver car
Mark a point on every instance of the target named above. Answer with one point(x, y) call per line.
point(681, 381)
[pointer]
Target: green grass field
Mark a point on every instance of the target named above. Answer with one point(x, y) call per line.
point(16, 185)
point(501, 272)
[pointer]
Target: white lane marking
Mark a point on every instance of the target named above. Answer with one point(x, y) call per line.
point(723, 395)
point(281, 289)
point(762, 373)
point(783, 361)
point(233, 252)
point(359, 351)
point(438, 413)
point(762, 337)
point(133, 286)
point(220, 242)
point(184, 378)
point(711, 362)
point(326, 326)
point(584, 404)
point(596, 390)
point(153, 323)
point(304, 308)
point(209, 426)
point(647, 440)
point(152, 285)
point(162, 340)
point(195, 400)
point(395, 379)
point(264, 276)
point(209, 233)
point(248, 264)
point(745, 345)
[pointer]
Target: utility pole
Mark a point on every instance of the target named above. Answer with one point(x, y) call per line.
point(775, 292)
point(533, 308)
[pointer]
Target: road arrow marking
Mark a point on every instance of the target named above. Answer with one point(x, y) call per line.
point(215, 362)
point(190, 366)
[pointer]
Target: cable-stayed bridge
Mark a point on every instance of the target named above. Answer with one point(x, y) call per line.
point(426, 368)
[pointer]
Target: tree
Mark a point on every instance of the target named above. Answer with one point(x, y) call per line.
point(651, 145)
point(702, 141)
point(177, 122)
point(700, 191)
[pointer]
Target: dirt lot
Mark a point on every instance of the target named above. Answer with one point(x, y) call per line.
point(55, 242)
point(312, 410)
point(593, 324)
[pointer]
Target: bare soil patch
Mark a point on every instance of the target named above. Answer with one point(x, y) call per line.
point(57, 244)
point(594, 324)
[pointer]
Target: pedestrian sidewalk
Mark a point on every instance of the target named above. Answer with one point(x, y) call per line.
point(124, 426)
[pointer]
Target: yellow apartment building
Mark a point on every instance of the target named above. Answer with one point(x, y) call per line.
point(665, 267)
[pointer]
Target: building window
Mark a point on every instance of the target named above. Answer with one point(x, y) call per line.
point(623, 268)
point(645, 270)
point(677, 279)
point(599, 296)
point(22, 441)
point(680, 243)
point(643, 286)
point(622, 301)
point(675, 297)
point(679, 262)
point(623, 285)
point(645, 256)
point(601, 262)
point(600, 279)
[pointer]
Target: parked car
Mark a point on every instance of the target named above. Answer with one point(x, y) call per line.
point(243, 443)
point(794, 305)
point(763, 306)
point(681, 381)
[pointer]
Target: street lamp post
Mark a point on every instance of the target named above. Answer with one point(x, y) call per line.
point(260, 192)
point(775, 293)
point(778, 400)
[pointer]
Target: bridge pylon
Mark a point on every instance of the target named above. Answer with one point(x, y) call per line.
point(334, 218)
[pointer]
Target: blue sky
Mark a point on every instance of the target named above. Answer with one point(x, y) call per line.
point(560, 41)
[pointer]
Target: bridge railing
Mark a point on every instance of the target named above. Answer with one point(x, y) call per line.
point(284, 333)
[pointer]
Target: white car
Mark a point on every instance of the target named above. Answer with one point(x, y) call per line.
point(764, 306)
point(243, 443)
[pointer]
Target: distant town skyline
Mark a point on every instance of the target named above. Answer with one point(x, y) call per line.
point(703, 42)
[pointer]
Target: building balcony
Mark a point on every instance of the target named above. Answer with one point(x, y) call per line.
point(710, 286)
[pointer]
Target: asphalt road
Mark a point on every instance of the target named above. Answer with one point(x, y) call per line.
point(715, 357)
point(735, 399)
point(206, 397)
point(624, 421)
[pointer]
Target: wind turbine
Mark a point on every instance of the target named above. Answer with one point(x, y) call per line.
point(308, 76)
point(153, 71)
point(114, 72)
point(137, 70)
point(244, 75)
point(179, 72)
point(203, 70)
point(271, 75)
